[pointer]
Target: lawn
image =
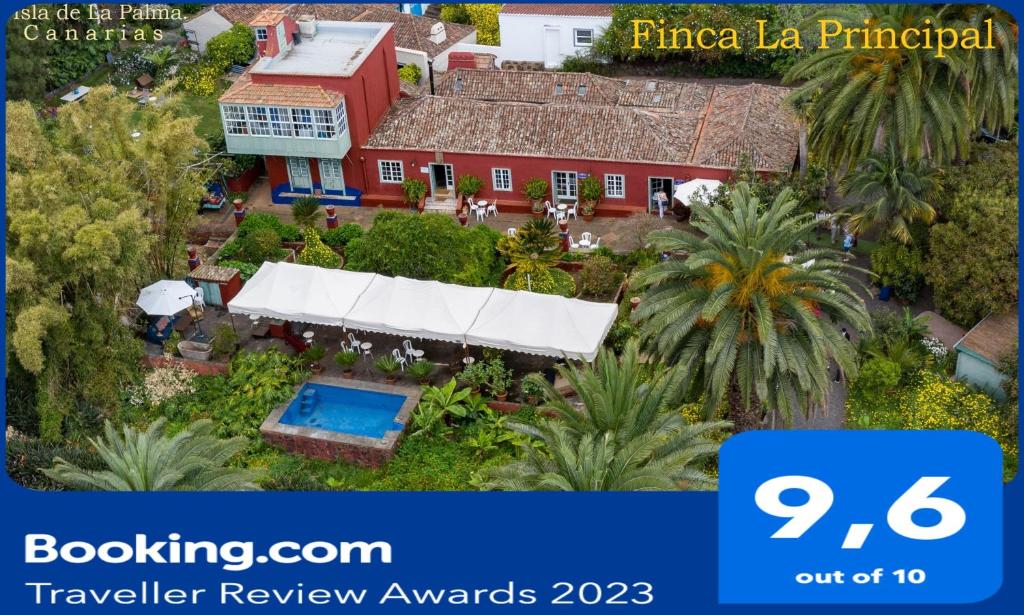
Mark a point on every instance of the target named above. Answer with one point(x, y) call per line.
point(206, 108)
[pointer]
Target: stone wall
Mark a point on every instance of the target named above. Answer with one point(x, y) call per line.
point(329, 450)
point(203, 368)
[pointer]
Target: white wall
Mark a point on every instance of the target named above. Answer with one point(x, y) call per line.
point(206, 26)
point(525, 37)
point(412, 56)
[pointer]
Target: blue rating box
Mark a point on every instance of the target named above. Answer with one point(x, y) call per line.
point(860, 517)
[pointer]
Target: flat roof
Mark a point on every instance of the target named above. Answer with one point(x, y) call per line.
point(337, 50)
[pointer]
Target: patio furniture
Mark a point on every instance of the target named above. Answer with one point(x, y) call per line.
point(586, 236)
point(573, 211)
point(512, 231)
point(474, 208)
point(492, 207)
point(468, 360)
point(398, 357)
point(597, 243)
point(76, 93)
point(353, 342)
point(411, 352)
point(572, 243)
point(367, 349)
point(343, 346)
point(548, 209)
point(307, 336)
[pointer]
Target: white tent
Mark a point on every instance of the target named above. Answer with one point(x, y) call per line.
point(418, 308)
point(511, 320)
point(301, 293)
point(542, 324)
point(685, 191)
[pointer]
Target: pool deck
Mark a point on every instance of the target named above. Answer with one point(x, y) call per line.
point(331, 445)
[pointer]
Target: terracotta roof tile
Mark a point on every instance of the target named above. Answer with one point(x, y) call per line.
point(571, 10)
point(244, 13)
point(731, 121)
point(245, 92)
point(595, 132)
point(268, 18)
point(994, 337)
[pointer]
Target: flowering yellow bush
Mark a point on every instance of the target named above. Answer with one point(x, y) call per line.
point(934, 402)
point(200, 79)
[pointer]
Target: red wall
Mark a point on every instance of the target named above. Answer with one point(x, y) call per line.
point(369, 94)
point(524, 168)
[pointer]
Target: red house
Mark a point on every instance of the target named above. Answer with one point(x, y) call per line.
point(638, 136)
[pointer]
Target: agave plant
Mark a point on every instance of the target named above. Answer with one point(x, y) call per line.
point(306, 211)
point(191, 460)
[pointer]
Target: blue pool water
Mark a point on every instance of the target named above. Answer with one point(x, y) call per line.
point(344, 410)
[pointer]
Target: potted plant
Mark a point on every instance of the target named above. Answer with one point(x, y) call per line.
point(421, 370)
point(464, 215)
point(415, 191)
point(171, 344)
point(591, 192)
point(312, 357)
point(499, 378)
point(388, 365)
point(531, 388)
point(469, 185)
point(536, 189)
point(346, 359)
point(474, 376)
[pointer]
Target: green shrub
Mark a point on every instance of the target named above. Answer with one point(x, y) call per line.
point(202, 79)
point(258, 383)
point(346, 359)
point(26, 455)
point(234, 46)
point(552, 281)
point(414, 190)
point(426, 247)
point(317, 253)
point(254, 222)
point(421, 369)
point(410, 73)
point(877, 377)
point(246, 270)
point(899, 266)
point(341, 236)
point(599, 277)
point(469, 185)
point(225, 340)
point(535, 189)
point(260, 245)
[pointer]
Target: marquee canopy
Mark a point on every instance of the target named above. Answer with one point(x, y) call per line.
point(685, 191)
point(520, 321)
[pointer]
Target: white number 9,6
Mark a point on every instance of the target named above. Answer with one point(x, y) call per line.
point(802, 517)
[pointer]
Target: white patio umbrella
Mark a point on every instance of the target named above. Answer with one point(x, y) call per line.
point(165, 298)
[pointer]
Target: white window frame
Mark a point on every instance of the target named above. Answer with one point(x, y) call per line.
point(275, 121)
point(291, 176)
point(576, 37)
point(234, 120)
point(323, 123)
point(504, 184)
point(302, 123)
point(573, 193)
point(609, 178)
point(280, 121)
point(327, 171)
point(261, 34)
point(389, 170)
point(259, 121)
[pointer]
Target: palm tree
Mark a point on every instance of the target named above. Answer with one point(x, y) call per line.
point(533, 249)
point(891, 192)
point(191, 460)
point(751, 314)
point(990, 76)
point(627, 435)
point(160, 58)
point(858, 99)
point(306, 211)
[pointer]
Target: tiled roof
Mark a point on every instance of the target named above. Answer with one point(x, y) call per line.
point(596, 132)
point(245, 92)
point(994, 337)
point(570, 10)
point(700, 124)
point(411, 31)
point(244, 13)
point(267, 18)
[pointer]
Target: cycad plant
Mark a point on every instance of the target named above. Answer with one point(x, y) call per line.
point(890, 192)
point(306, 211)
point(627, 435)
point(534, 248)
point(751, 314)
point(191, 460)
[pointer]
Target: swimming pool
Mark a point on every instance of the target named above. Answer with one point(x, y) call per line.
point(345, 410)
point(331, 418)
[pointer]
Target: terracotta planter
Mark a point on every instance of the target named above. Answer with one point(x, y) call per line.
point(463, 219)
point(634, 303)
point(501, 396)
point(425, 381)
point(588, 217)
point(390, 379)
point(347, 374)
point(316, 368)
point(422, 204)
point(531, 400)
point(537, 215)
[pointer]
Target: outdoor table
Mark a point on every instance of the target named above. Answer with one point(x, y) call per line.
point(365, 347)
point(468, 360)
point(481, 204)
point(562, 207)
point(583, 243)
point(308, 337)
point(418, 354)
point(76, 93)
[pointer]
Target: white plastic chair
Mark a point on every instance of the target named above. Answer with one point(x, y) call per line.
point(586, 236)
point(596, 243)
point(481, 213)
point(559, 216)
point(512, 231)
point(492, 208)
point(353, 343)
point(549, 210)
point(572, 243)
point(344, 347)
point(398, 357)
point(475, 209)
point(410, 352)
point(573, 211)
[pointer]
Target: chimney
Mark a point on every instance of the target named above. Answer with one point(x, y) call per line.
point(437, 33)
point(307, 26)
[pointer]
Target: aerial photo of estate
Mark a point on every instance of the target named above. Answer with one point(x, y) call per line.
point(499, 246)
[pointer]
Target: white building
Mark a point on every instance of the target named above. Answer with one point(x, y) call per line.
point(219, 18)
point(550, 33)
